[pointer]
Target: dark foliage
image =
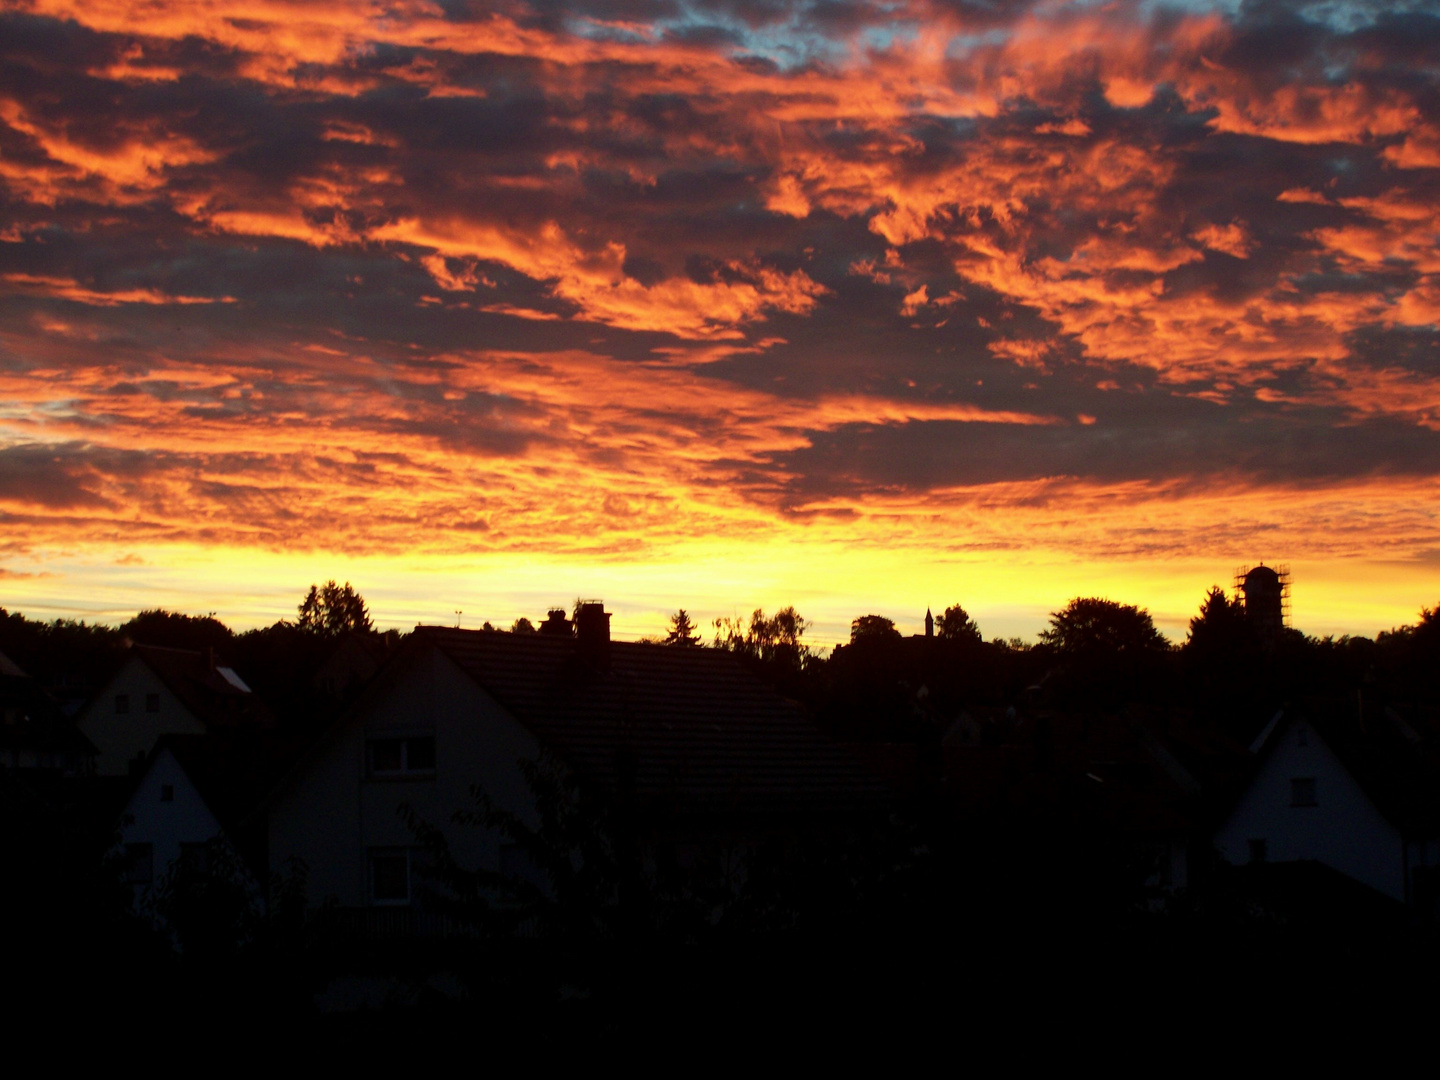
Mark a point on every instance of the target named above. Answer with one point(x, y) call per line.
point(870, 627)
point(772, 645)
point(71, 659)
point(332, 609)
point(682, 630)
point(176, 631)
point(1107, 654)
point(955, 624)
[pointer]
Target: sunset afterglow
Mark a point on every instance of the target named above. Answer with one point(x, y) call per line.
point(857, 306)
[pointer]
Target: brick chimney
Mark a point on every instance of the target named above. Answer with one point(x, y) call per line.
point(592, 634)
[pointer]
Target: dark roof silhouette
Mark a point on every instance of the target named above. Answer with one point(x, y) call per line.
point(230, 779)
point(31, 720)
point(212, 691)
point(694, 729)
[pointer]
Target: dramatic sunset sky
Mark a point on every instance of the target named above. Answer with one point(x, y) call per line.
point(860, 305)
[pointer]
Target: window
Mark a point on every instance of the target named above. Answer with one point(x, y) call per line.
point(402, 757)
point(122, 704)
point(1257, 850)
point(152, 702)
point(389, 876)
point(1302, 737)
point(1302, 791)
point(139, 864)
point(167, 792)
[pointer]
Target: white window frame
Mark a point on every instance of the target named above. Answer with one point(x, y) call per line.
point(405, 772)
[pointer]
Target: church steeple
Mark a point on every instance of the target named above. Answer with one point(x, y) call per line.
point(929, 623)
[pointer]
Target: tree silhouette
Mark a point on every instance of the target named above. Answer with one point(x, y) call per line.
point(1220, 624)
point(333, 609)
point(773, 641)
point(956, 625)
point(522, 625)
point(872, 628)
point(682, 630)
point(1092, 626)
point(177, 631)
point(1108, 654)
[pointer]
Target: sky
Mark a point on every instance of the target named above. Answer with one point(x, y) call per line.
point(865, 306)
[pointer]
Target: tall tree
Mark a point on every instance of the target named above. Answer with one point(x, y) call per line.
point(682, 630)
point(332, 609)
point(872, 628)
point(774, 639)
point(956, 625)
point(1090, 626)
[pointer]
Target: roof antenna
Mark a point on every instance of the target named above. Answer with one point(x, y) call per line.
point(457, 618)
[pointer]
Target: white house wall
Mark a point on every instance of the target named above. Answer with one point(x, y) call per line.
point(331, 814)
point(121, 737)
point(1344, 830)
point(166, 824)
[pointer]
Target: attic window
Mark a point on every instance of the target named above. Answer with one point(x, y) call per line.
point(122, 704)
point(414, 756)
point(152, 702)
point(1302, 791)
point(167, 792)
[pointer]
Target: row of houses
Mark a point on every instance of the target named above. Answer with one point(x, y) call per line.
point(697, 748)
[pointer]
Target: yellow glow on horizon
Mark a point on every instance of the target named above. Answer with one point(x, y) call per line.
point(1008, 593)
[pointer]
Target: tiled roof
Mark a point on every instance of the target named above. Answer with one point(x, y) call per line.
point(695, 729)
point(203, 686)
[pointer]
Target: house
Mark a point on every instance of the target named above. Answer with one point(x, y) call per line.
point(1357, 799)
point(34, 734)
point(689, 738)
point(160, 691)
point(187, 807)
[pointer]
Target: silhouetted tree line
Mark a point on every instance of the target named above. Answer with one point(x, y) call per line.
point(605, 910)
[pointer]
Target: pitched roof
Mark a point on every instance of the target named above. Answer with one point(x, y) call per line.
point(213, 693)
point(230, 779)
point(1400, 776)
point(696, 731)
point(31, 720)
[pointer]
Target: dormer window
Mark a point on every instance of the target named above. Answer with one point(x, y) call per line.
point(407, 757)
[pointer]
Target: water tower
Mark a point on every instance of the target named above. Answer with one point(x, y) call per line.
point(1267, 597)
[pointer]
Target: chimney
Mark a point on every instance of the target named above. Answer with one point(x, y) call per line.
point(592, 634)
point(929, 623)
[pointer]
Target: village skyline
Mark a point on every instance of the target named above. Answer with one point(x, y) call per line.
point(829, 620)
